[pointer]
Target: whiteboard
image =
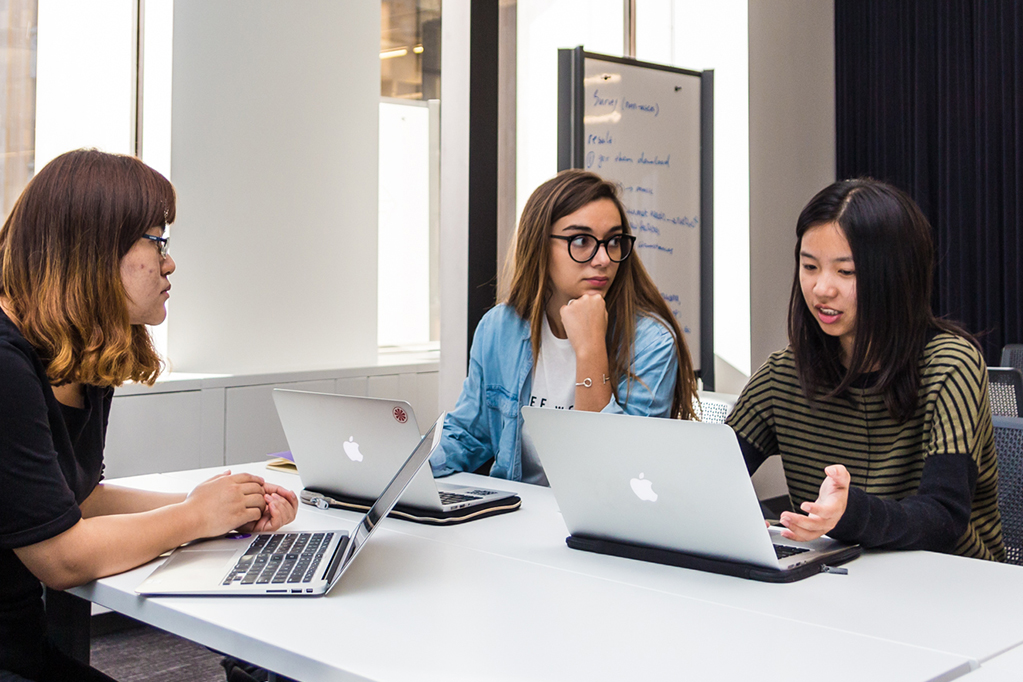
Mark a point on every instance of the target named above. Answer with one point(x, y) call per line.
point(641, 128)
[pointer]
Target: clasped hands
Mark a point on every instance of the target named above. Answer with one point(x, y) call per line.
point(242, 502)
point(822, 515)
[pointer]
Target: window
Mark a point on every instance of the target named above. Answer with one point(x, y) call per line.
point(407, 291)
point(18, 22)
point(410, 49)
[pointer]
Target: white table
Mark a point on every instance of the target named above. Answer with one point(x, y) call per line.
point(548, 612)
point(1007, 667)
point(964, 606)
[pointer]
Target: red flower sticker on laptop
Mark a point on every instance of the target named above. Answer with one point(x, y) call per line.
point(400, 415)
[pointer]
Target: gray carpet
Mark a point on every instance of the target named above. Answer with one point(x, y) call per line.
point(131, 652)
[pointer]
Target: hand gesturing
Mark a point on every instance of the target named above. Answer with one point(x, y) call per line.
point(823, 514)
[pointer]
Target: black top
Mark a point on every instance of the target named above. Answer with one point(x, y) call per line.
point(51, 459)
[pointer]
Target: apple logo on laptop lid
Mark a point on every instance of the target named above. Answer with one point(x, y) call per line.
point(352, 450)
point(643, 488)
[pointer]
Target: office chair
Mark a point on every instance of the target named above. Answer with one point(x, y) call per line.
point(714, 407)
point(1005, 391)
point(1012, 356)
point(1009, 444)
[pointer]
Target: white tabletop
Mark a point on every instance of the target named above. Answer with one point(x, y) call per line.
point(968, 607)
point(546, 611)
point(1007, 667)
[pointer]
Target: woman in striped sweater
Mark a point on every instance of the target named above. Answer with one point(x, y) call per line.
point(878, 409)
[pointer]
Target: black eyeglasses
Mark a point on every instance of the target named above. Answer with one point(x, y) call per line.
point(163, 243)
point(583, 247)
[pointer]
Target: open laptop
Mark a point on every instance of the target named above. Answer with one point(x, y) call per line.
point(347, 447)
point(666, 490)
point(292, 563)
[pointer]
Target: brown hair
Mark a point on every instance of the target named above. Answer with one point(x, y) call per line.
point(60, 256)
point(631, 293)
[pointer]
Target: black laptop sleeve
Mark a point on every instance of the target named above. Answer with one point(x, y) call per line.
point(326, 500)
point(656, 555)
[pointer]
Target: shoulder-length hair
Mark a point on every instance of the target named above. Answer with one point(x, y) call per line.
point(893, 254)
point(60, 255)
point(632, 292)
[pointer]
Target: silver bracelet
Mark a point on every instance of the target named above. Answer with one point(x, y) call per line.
point(587, 382)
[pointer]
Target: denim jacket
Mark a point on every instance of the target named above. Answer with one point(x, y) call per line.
point(486, 421)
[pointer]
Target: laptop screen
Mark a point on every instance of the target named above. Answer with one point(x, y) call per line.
point(385, 503)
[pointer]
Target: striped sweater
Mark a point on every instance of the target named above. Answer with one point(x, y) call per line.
point(928, 483)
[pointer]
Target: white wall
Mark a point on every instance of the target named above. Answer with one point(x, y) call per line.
point(792, 147)
point(274, 156)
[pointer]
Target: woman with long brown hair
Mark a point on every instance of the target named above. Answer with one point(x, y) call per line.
point(83, 268)
point(583, 306)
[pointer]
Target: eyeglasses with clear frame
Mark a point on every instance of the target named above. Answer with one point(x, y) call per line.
point(583, 247)
point(163, 244)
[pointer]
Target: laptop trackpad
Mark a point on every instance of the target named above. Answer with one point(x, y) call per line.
point(191, 569)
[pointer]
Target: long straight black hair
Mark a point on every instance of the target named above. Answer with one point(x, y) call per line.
point(893, 254)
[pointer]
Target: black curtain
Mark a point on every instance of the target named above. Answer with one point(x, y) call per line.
point(929, 97)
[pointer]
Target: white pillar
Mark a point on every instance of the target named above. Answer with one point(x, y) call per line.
point(274, 156)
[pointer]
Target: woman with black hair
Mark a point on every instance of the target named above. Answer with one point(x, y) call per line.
point(874, 394)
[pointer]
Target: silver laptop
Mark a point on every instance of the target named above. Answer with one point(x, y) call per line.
point(349, 445)
point(669, 484)
point(293, 563)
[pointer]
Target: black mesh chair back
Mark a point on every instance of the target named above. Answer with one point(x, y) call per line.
point(1009, 444)
point(1006, 391)
point(1012, 356)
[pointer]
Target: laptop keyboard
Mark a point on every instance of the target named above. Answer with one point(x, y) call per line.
point(280, 558)
point(788, 550)
point(455, 498)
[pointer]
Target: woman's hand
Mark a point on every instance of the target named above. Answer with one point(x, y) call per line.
point(824, 514)
point(226, 502)
point(281, 509)
point(585, 321)
point(114, 542)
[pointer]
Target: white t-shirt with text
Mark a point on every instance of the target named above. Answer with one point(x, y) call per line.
point(553, 387)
